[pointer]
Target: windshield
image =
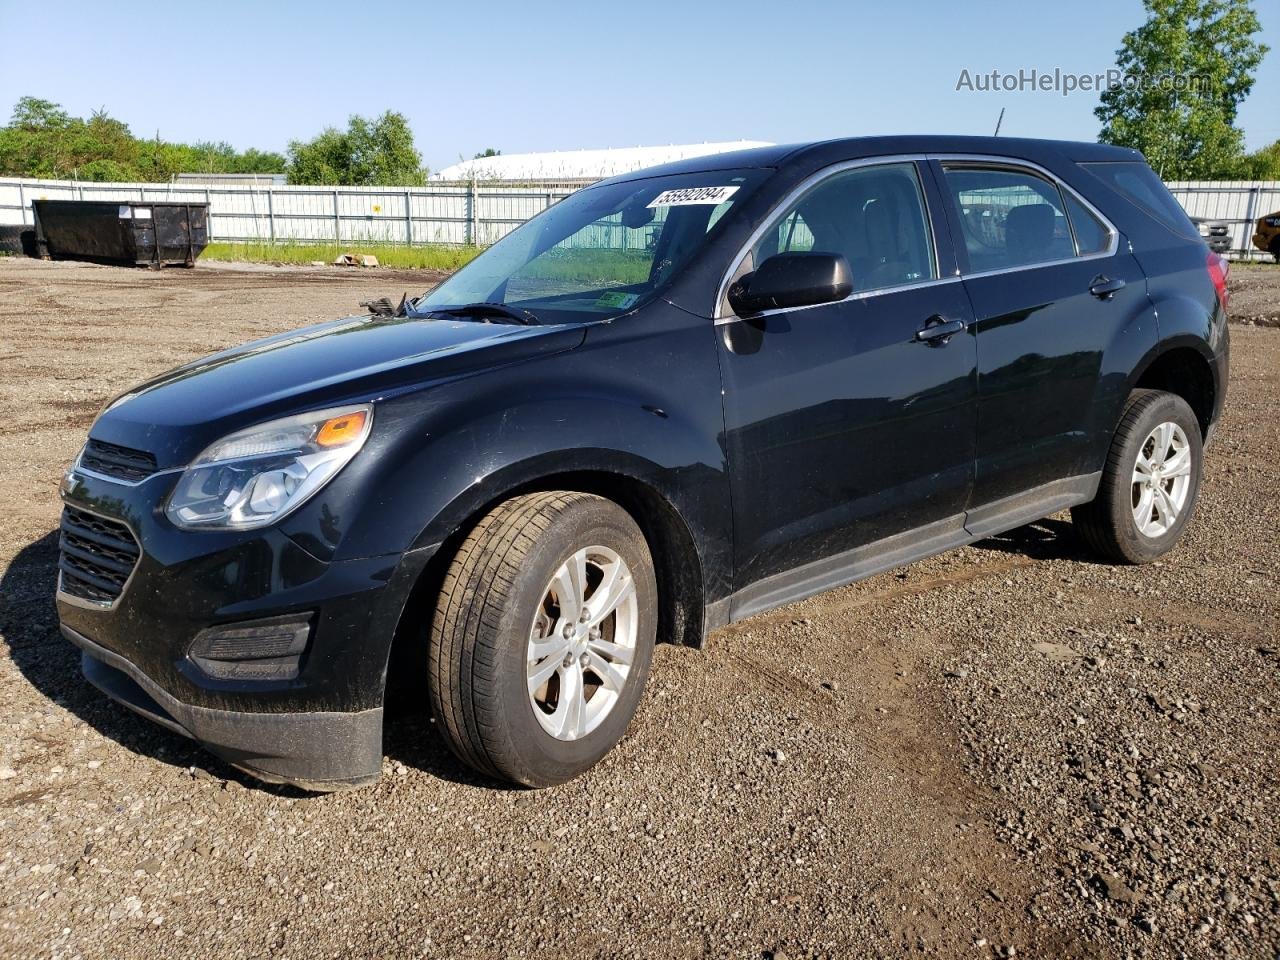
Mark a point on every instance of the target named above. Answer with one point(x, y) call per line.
point(600, 251)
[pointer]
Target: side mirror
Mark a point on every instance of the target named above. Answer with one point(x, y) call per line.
point(788, 280)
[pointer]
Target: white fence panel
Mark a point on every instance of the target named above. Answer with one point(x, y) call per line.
point(467, 213)
point(1238, 203)
point(451, 213)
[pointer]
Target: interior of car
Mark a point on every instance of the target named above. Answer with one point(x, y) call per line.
point(873, 216)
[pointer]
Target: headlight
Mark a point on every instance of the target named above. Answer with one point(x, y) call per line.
point(254, 477)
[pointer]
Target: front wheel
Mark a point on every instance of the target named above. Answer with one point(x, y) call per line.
point(1150, 482)
point(543, 636)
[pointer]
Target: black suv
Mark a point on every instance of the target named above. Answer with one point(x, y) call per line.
point(673, 400)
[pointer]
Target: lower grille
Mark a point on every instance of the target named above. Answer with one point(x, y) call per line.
point(122, 463)
point(96, 556)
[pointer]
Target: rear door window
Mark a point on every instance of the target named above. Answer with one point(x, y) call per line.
point(1092, 235)
point(1009, 218)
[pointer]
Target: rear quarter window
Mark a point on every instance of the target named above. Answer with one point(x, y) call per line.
point(1139, 184)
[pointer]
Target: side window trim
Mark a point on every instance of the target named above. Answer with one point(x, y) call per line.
point(1027, 168)
point(724, 313)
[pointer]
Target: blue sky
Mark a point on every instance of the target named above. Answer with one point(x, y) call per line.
point(527, 76)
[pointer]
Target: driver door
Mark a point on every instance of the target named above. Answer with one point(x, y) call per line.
point(850, 440)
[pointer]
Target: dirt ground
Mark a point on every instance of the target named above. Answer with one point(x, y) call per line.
point(1011, 747)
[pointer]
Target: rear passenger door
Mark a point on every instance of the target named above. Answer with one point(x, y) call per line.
point(1052, 288)
point(843, 427)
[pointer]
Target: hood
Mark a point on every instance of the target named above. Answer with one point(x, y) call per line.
point(179, 413)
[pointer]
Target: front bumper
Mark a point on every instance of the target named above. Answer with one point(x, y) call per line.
point(314, 751)
point(320, 727)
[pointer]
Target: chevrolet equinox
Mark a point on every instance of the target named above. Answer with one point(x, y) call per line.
point(674, 399)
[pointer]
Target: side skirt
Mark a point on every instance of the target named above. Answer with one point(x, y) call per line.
point(902, 548)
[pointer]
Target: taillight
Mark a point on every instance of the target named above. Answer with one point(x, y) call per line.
point(1219, 268)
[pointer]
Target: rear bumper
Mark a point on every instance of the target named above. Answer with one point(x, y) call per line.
point(314, 750)
point(1222, 377)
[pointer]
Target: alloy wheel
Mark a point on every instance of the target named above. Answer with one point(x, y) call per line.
point(582, 643)
point(1161, 479)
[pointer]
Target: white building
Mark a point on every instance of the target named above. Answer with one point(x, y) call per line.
point(582, 164)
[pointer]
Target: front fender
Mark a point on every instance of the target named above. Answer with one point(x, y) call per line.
point(454, 449)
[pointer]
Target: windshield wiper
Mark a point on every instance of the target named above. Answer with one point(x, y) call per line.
point(489, 312)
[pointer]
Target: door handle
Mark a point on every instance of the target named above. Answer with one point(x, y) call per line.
point(938, 330)
point(1104, 288)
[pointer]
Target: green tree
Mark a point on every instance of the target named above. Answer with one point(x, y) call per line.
point(488, 152)
point(1263, 164)
point(37, 141)
point(105, 171)
point(1187, 69)
point(257, 161)
point(32, 113)
point(378, 152)
point(43, 140)
point(326, 158)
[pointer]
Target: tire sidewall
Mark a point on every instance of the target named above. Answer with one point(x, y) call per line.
point(1160, 408)
point(543, 760)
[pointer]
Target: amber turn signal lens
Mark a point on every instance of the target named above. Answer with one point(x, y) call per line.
point(340, 430)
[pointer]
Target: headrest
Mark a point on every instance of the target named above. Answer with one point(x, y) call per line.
point(1029, 227)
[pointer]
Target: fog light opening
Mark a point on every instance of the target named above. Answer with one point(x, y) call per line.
point(254, 650)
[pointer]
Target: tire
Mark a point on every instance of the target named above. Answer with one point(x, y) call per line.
point(1110, 523)
point(496, 594)
point(1275, 248)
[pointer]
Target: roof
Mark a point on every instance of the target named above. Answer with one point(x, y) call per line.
point(583, 164)
point(852, 148)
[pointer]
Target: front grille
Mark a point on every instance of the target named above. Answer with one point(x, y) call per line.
point(122, 463)
point(96, 556)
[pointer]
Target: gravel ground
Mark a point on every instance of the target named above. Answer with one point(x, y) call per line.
point(1253, 294)
point(1008, 748)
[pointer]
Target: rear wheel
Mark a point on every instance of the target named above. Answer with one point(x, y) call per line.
point(543, 636)
point(1149, 485)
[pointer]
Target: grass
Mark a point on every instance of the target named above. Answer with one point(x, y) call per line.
point(429, 257)
point(603, 267)
point(581, 266)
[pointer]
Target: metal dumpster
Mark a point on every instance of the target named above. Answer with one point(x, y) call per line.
point(134, 232)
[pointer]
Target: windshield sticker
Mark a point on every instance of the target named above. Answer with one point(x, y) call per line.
point(617, 300)
point(693, 195)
